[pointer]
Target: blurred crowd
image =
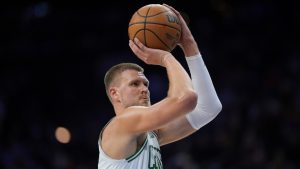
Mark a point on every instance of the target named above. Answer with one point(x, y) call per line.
point(53, 57)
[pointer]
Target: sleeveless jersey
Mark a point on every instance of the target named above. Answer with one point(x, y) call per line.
point(147, 157)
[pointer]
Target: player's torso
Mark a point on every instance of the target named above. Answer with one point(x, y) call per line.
point(147, 157)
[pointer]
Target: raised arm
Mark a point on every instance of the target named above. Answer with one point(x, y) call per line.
point(180, 100)
point(208, 104)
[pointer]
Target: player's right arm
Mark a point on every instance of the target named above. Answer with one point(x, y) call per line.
point(180, 100)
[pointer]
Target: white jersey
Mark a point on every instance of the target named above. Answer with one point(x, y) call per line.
point(147, 157)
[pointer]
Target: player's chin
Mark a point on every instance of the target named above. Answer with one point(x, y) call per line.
point(145, 103)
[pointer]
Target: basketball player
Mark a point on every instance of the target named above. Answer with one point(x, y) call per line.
point(132, 139)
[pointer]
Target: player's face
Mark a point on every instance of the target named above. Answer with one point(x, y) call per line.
point(133, 89)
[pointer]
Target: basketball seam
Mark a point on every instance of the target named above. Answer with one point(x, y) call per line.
point(150, 15)
point(138, 32)
point(159, 38)
point(145, 37)
point(155, 23)
point(145, 25)
point(154, 35)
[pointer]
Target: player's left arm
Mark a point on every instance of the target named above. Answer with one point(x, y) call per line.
point(207, 108)
point(208, 104)
point(174, 131)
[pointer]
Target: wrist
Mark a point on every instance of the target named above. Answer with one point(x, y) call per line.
point(164, 59)
point(194, 61)
point(194, 57)
point(190, 48)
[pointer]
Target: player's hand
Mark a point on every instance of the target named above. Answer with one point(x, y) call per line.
point(148, 55)
point(186, 42)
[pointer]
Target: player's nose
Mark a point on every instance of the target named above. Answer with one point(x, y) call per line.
point(144, 88)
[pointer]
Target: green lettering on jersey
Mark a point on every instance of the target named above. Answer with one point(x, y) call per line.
point(154, 158)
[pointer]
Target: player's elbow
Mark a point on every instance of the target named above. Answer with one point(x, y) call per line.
point(190, 100)
point(216, 107)
point(219, 107)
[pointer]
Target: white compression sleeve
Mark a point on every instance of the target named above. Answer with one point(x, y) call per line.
point(208, 105)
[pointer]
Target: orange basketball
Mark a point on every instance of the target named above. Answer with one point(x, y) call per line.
point(156, 26)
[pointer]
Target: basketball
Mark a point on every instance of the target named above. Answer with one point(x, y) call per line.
point(156, 26)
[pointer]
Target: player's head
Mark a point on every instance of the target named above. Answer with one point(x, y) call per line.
point(126, 83)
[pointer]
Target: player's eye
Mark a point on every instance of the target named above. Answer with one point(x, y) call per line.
point(146, 84)
point(134, 84)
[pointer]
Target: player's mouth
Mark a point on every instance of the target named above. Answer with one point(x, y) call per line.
point(144, 98)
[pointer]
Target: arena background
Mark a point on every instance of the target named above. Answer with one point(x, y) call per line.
point(53, 56)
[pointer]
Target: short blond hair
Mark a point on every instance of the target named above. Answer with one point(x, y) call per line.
point(112, 74)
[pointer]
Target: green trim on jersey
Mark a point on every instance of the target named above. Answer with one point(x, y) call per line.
point(135, 155)
point(100, 135)
point(155, 134)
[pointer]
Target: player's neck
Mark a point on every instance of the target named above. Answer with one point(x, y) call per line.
point(118, 109)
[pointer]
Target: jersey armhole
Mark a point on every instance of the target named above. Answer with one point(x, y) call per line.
point(101, 132)
point(137, 153)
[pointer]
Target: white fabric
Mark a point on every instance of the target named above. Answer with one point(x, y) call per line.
point(148, 156)
point(208, 105)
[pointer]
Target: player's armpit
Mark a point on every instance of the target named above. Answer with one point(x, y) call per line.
point(174, 131)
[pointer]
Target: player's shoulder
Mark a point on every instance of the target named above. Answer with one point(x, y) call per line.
point(129, 112)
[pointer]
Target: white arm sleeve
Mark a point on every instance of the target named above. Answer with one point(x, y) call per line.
point(208, 105)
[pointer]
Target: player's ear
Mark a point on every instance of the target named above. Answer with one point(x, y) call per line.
point(114, 94)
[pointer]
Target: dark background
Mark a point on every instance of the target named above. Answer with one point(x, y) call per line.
point(53, 57)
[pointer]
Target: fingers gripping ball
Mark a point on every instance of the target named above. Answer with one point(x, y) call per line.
point(156, 26)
